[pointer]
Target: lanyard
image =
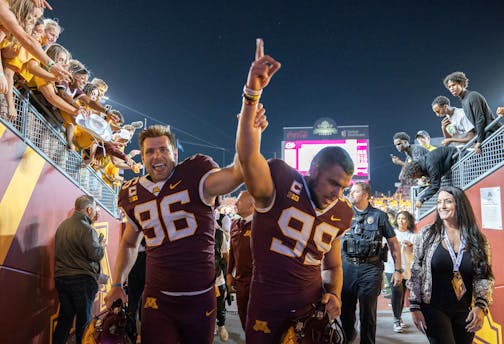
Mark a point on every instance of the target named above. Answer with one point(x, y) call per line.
point(456, 260)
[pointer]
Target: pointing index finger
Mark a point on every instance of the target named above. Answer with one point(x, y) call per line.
point(259, 48)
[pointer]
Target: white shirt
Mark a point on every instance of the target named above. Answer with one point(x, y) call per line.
point(406, 258)
point(460, 126)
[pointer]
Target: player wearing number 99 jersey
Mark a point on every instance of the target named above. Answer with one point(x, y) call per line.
point(295, 247)
point(289, 240)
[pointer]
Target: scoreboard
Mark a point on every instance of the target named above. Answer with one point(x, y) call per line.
point(299, 154)
point(300, 145)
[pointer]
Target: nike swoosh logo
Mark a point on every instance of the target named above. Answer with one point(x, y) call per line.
point(335, 218)
point(173, 186)
point(208, 313)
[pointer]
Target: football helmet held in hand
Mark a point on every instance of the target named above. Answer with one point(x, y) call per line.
point(311, 325)
point(116, 326)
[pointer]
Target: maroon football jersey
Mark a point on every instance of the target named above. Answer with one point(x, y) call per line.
point(240, 255)
point(178, 226)
point(290, 238)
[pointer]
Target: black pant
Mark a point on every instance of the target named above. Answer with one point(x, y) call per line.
point(136, 283)
point(446, 327)
point(221, 306)
point(360, 282)
point(397, 298)
point(76, 297)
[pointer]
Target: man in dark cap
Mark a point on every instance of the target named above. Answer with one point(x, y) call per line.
point(423, 138)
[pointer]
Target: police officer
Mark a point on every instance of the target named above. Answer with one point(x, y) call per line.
point(363, 255)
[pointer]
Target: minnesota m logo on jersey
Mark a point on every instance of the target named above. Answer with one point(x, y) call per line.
point(151, 302)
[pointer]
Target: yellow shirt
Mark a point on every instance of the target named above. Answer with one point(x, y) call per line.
point(19, 63)
point(5, 43)
point(82, 138)
point(38, 82)
point(112, 172)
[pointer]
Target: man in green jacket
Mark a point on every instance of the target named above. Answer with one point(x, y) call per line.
point(78, 252)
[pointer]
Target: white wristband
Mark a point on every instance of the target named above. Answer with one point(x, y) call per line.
point(251, 92)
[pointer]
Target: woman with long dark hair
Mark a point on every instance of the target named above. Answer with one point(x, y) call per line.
point(451, 282)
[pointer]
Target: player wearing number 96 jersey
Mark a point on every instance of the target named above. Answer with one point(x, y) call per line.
point(172, 208)
point(178, 226)
point(179, 233)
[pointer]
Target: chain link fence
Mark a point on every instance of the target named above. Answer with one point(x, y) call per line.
point(50, 142)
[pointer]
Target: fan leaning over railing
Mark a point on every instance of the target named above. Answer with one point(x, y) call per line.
point(467, 168)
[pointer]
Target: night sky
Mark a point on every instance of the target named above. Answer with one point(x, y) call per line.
point(379, 63)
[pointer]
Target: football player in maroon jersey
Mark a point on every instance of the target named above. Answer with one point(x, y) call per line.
point(172, 206)
point(239, 269)
point(297, 223)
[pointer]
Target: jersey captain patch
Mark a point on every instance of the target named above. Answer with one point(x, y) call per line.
point(132, 194)
point(296, 187)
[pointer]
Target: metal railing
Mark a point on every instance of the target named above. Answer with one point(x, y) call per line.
point(50, 142)
point(469, 169)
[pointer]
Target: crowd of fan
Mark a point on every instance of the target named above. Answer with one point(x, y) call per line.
point(463, 129)
point(395, 203)
point(60, 89)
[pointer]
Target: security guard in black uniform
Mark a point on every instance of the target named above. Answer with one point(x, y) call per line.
point(363, 254)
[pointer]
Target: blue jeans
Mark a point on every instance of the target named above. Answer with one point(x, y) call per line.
point(76, 296)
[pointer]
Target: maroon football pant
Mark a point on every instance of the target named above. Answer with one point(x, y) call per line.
point(174, 319)
point(242, 300)
point(264, 326)
point(270, 310)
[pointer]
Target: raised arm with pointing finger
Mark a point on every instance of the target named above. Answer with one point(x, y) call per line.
point(254, 166)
